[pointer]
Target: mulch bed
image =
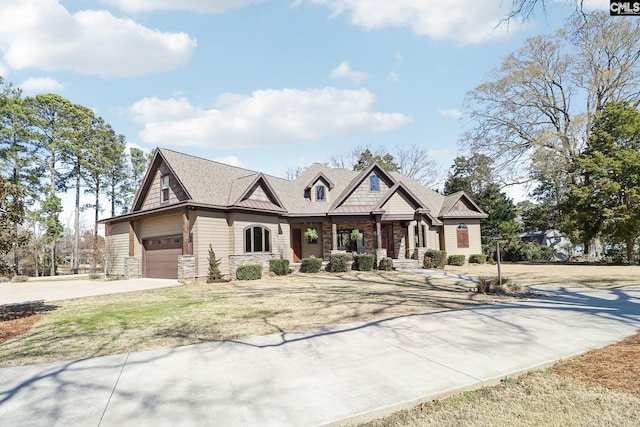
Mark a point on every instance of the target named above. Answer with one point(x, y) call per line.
point(19, 318)
point(616, 367)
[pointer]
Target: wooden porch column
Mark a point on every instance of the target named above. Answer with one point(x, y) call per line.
point(419, 230)
point(334, 236)
point(378, 233)
point(132, 236)
point(185, 232)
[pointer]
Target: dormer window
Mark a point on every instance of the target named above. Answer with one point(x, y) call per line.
point(164, 185)
point(320, 193)
point(374, 183)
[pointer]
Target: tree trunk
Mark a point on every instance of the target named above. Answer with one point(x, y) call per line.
point(630, 243)
point(76, 236)
point(52, 246)
point(94, 258)
point(113, 201)
point(16, 229)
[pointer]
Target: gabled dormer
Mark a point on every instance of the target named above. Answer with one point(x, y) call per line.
point(459, 205)
point(260, 195)
point(319, 189)
point(160, 186)
point(366, 190)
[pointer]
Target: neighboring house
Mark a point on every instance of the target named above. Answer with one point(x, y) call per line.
point(187, 203)
point(552, 238)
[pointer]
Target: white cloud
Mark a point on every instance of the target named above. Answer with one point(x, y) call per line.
point(36, 85)
point(462, 21)
point(344, 71)
point(393, 76)
point(449, 113)
point(199, 6)
point(230, 160)
point(43, 34)
point(4, 71)
point(265, 118)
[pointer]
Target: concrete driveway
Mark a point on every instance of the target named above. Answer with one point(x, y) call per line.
point(332, 375)
point(56, 290)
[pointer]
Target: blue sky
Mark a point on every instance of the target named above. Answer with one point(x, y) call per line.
point(267, 84)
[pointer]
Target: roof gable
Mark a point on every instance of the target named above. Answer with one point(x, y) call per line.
point(399, 197)
point(320, 176)
point(356, 193)
point(459, 205)
point(259, 195)
point(149, 191)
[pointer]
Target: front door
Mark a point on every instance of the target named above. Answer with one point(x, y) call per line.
point(387, 239)
point(297, 244)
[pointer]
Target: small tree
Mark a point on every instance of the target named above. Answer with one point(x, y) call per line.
point(215, 275)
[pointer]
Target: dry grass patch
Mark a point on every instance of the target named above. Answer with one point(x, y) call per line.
point(593, 276)
point(110, 324)
point(601, 387)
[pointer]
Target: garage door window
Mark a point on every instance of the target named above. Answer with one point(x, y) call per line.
point(257, 239)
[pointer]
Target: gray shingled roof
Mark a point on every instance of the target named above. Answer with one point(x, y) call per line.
point(213, 183)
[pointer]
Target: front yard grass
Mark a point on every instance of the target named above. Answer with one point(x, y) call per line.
point(112, 324)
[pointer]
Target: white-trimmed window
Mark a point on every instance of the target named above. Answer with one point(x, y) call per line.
point(320, 193)
point(164, 188)
point(257, 239)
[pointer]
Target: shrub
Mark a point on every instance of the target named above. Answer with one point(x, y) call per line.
point(434, 259)
point(527, 251)
point(339, 263)
point(279, 266)
point(249, 272)
point(477, 259)
point(364, 262)
point(20, 278)
point(490, 285)
point(386, 264)
point(311, 265)
point(96, 276)
point(456, 260)
point(215, 275)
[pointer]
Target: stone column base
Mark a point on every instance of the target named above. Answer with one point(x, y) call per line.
point(186, 268)
point(132, 267)
point(380, 253)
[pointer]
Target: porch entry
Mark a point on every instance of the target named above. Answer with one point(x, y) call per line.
point(297, 244)
point(386, 235)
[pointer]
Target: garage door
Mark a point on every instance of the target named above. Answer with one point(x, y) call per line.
point(161, 257)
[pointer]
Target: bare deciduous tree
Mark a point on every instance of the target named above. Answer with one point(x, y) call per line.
point(415, 163)
point(534, 105)
point(292, 172)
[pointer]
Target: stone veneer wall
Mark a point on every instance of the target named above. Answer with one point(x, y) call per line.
point(255, 258)
point(327, 240)
point(365, 227)
point(132, 267)
point(186, 268)
point(399, 240)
